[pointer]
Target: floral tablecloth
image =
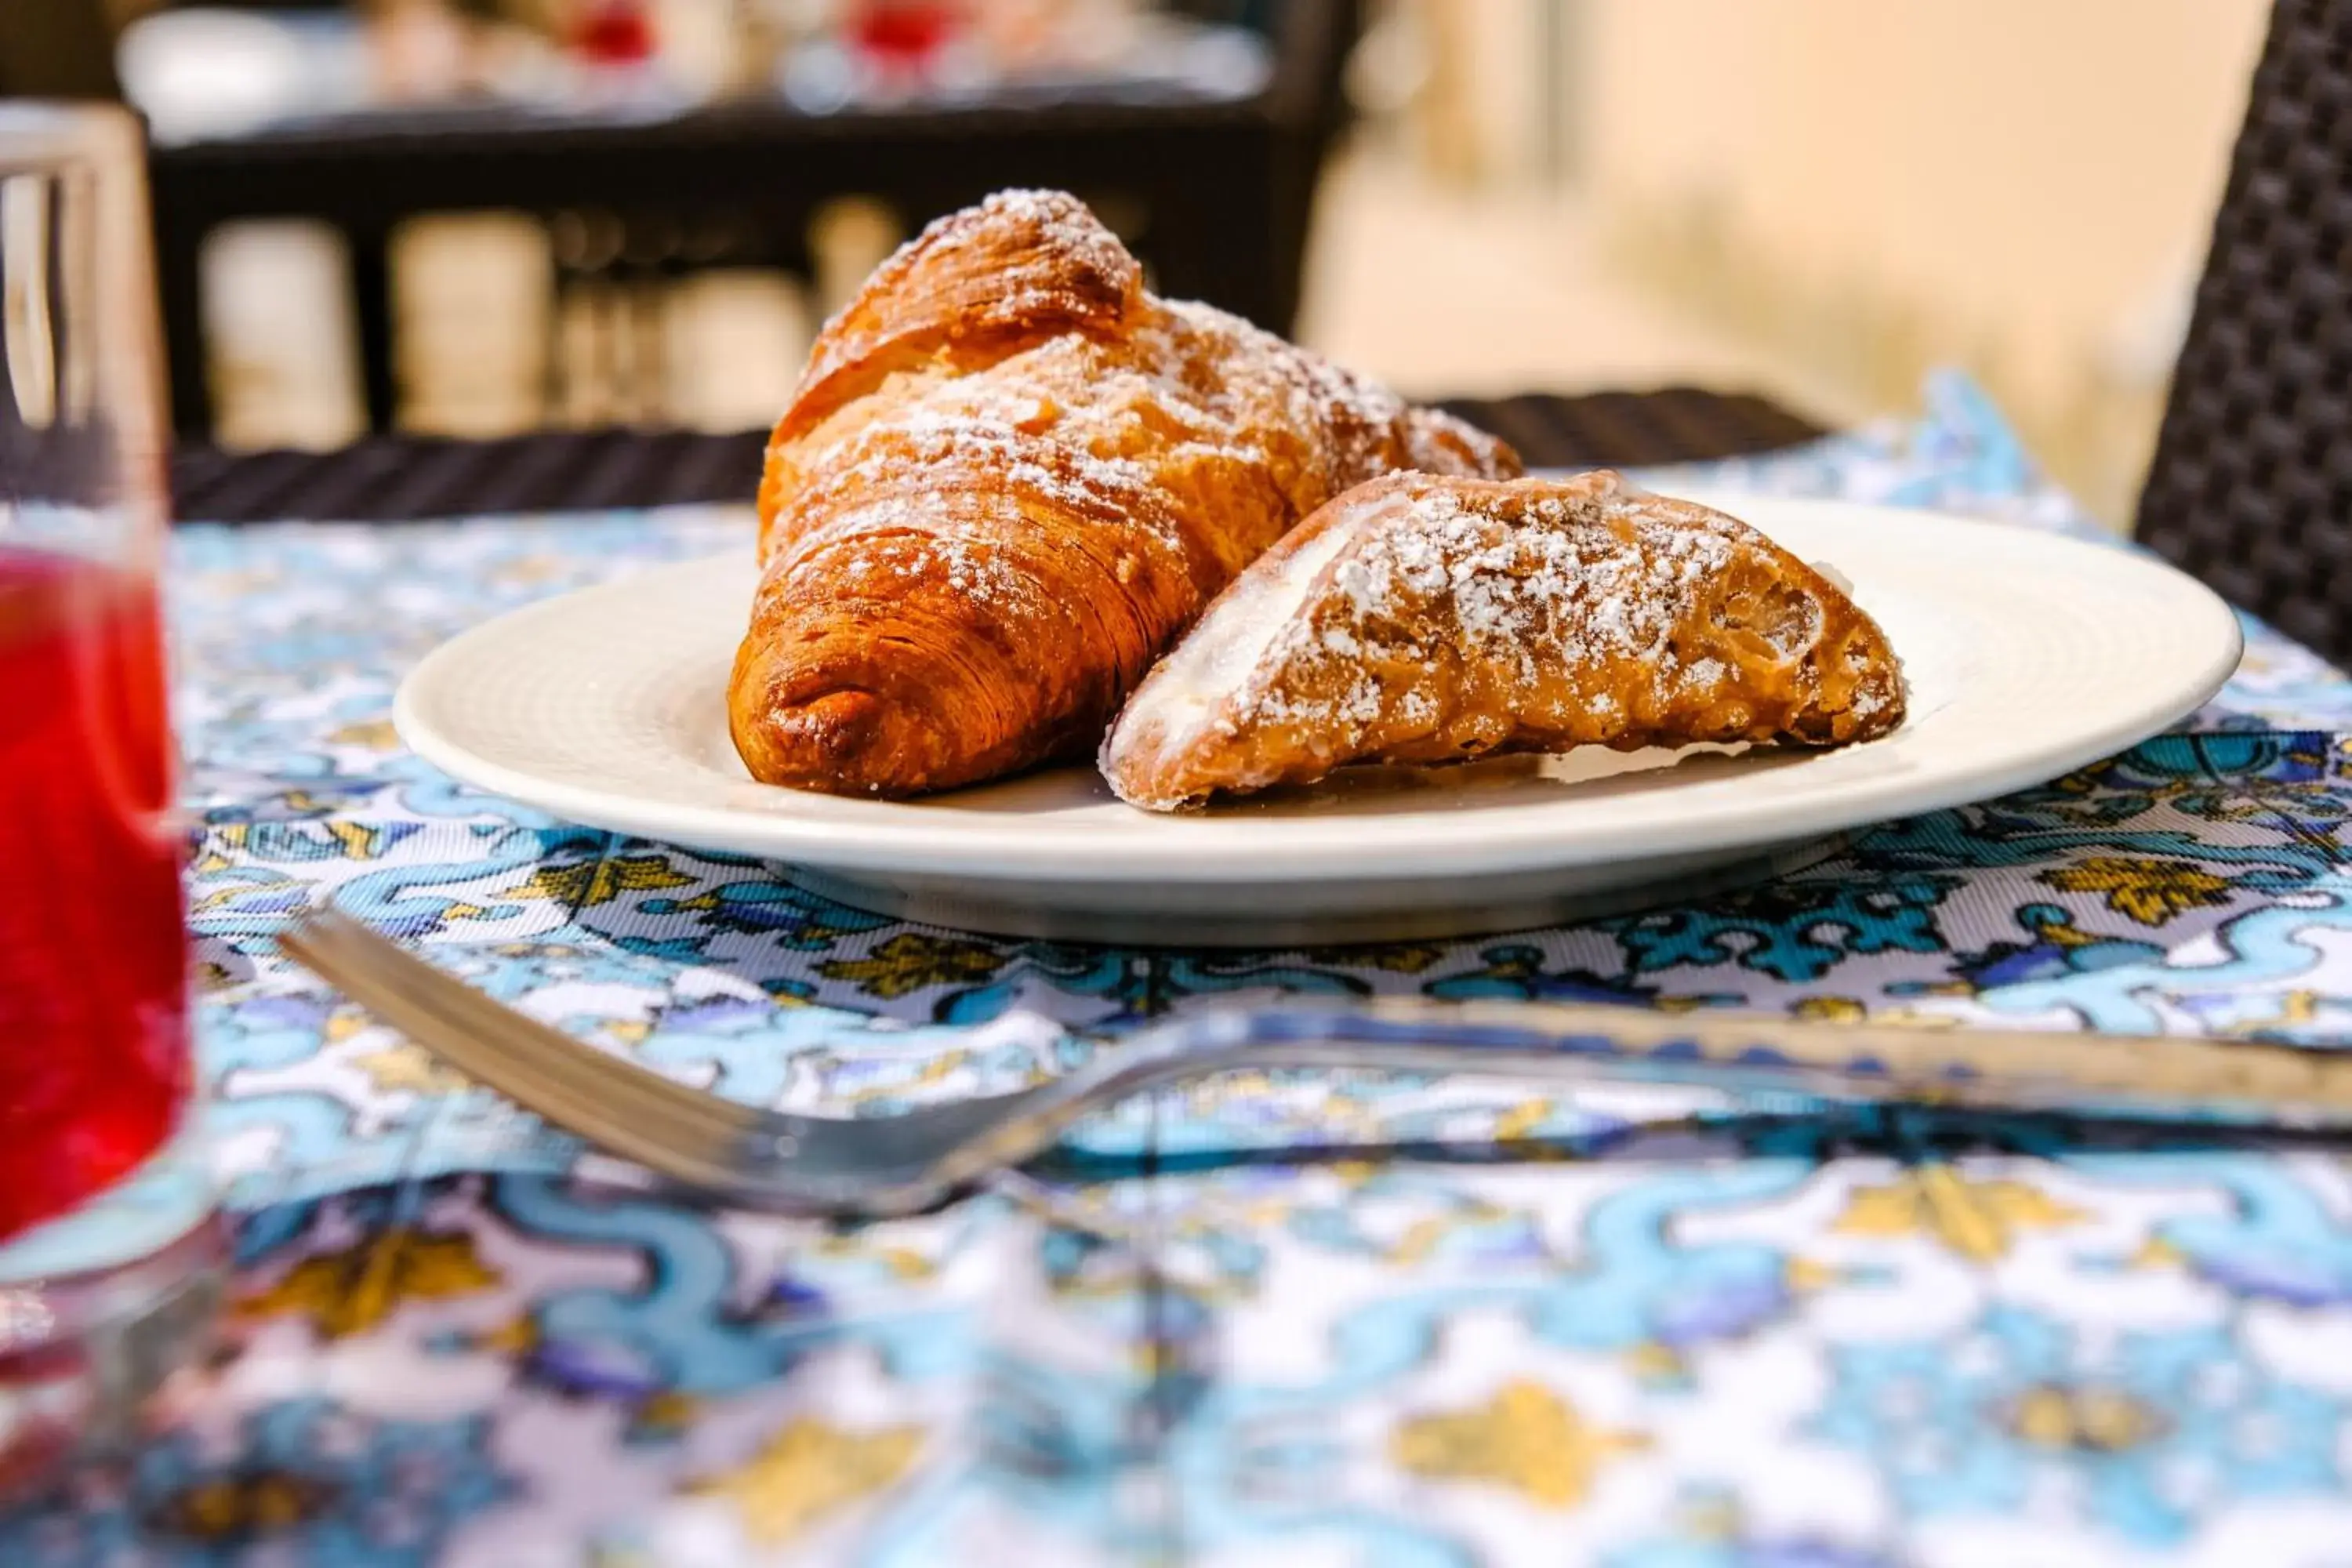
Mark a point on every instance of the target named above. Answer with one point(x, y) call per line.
point(1869, 1340)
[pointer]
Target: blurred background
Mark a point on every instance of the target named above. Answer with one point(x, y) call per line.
point(483, 216)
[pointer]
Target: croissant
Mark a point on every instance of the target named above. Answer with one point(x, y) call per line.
point(1009, 477)
point(1421, 619)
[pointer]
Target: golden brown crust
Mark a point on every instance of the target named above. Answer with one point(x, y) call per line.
point(1425, 619)
point(1010, 479)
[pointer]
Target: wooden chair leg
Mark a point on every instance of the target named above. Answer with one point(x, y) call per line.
point(371, 272)
point(179, 276)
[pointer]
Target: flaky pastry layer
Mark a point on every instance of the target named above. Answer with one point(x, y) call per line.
point(1425, 619)
point(1010, 479)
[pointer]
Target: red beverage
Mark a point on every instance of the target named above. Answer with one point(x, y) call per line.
point(93, 968)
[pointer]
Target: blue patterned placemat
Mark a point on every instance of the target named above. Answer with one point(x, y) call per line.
point(2191, 883)
point(1857, 1342)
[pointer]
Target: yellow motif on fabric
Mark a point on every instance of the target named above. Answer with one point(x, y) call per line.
point(1980, 1220)
point(932, 1070)
point(665, 1414)
point(903, 1262)
point(529, 569)
point(1912, 1018)
point(516, 1336)
point(1803, 1274)
point(1853, 1010)
point(911, 961)
point(2297, 1009)
point(356, 840)
point(2101, 1420)
point(1396, 957)
point(2149, 891)
point(551, 950)
point(405, 1066)
point(360, 841)
point(1655, 1362)
point(594, 882)
point(351, 1291)
point(244, 1506)
point(1522, 1120)
point(1682, 1004)
point(375, 734)
point(345, 1022)
point(1343, 1117)
point(1715, 1516)
point(1527, 1438)
point(203, 903)
point(1419, 1240)
point(809, 1469)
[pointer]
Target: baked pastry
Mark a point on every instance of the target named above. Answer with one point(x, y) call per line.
point(1421, 619)
point(1010, 479)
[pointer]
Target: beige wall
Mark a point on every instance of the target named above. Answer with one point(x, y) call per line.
point(2024, 185)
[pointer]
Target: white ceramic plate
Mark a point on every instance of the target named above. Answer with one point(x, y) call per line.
point(2028, 655)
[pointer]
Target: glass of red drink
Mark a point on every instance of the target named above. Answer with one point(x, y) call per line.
point(105, 1240)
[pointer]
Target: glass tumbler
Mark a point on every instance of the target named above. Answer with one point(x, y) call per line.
point(109, 1257)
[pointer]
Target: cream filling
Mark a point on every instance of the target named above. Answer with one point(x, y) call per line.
point(1218, 656)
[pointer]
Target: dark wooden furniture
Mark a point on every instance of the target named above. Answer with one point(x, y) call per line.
point(55, 48)
point(2251, 488)
point(1219, 189)
point(388, 479)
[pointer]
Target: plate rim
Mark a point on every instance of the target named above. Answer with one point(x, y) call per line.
point(1014, 849)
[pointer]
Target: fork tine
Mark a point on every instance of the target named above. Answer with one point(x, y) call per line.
point(455, 1021)
point(701, 1157)
point(518, 1057)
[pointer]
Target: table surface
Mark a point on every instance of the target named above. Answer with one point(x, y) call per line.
point(1866, 1339)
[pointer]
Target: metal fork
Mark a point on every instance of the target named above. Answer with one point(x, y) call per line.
point(904, 1162)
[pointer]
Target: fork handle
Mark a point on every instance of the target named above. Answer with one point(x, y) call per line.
point(2242, 1086)
point(2167, 1077)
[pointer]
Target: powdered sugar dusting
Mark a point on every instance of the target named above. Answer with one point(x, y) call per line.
point(863, 489)
point(1005, 442)
point(1053, 223)
point(1423, 619)
point(1211, 435)
point(1557, 588)
point(1060, 221)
